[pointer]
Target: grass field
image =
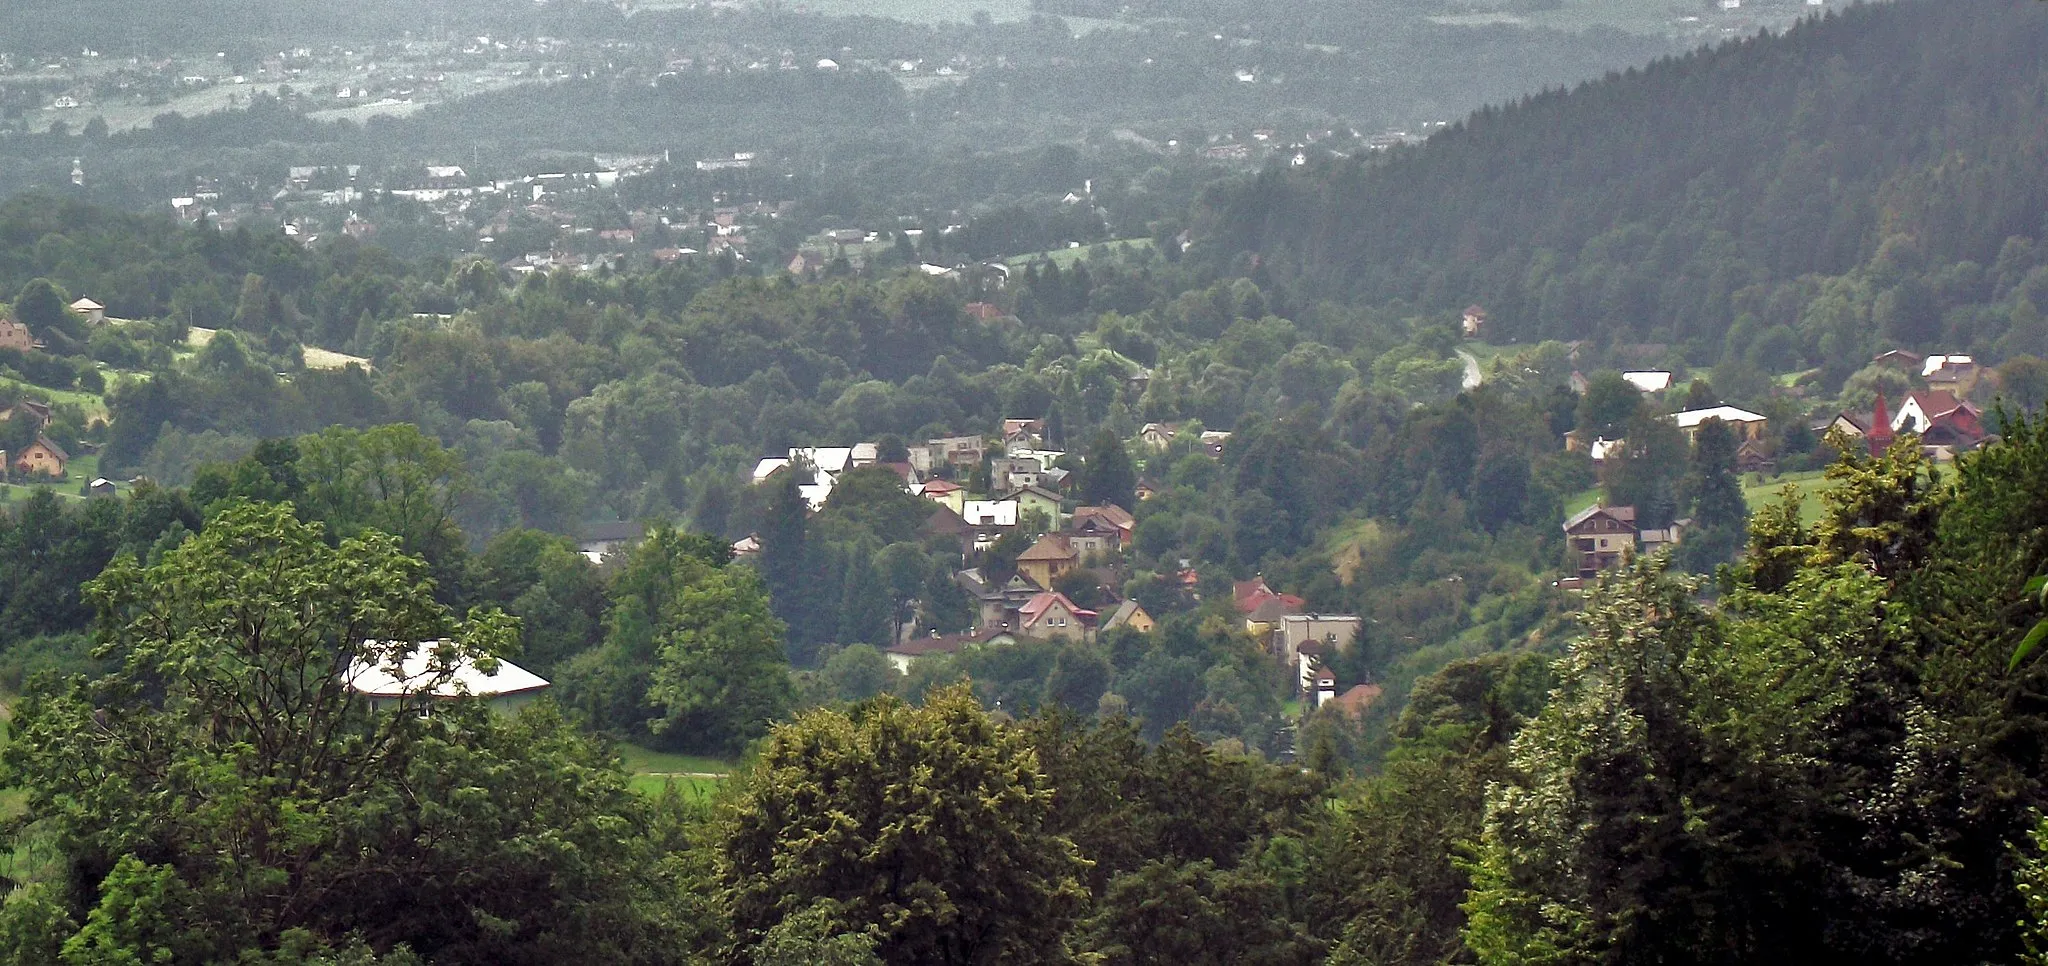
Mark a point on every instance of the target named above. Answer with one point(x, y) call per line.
point(316, 358)
point(696, 778)
point(1811, 485)
point(80, 470)
point(1066, 257)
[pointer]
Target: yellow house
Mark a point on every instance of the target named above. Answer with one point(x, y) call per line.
point(945, 494)
point(1129, 614)
point(1052, 557)
point(41, 458)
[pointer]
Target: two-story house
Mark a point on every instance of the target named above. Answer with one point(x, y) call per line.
point(1599, 537)
point(1051, 558)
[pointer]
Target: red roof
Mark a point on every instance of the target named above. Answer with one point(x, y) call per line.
point(1355, 701)
point(941, 486)
point(1947, 412)
point(1036, 607)
point(1253, 594)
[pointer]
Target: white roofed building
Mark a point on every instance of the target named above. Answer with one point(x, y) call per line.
point(1746, 424)
point(1648, 380)
point(422, 677)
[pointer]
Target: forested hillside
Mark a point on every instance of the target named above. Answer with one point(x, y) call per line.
point(1874, 175)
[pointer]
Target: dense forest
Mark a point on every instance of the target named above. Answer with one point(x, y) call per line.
point(1870, 177)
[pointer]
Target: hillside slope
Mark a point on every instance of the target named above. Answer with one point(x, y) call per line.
point(1883, 158)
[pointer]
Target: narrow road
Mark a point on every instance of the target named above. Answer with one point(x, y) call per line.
point(1473, 374)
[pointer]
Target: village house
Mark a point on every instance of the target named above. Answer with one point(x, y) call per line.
point(1315, 681)
point(1147, 489)
point(600, 540)
point(1947, 371)
point(1052, 616)
point(1158, 436)
point(1648, 380)
point(983, 312)
point(1745, 424)
point(29, 409)
point(1213, 442)
point(945, 493)
point(1600, 537)
point(1474, 323)
point(16, 336)
point(42, 458)
point(997, 605)
point(505, 690)
point(100, 488)
point(92, 312)
point(1037, 498)
point(1754, 457)
point(989, 519)
point(902, 656)
point(1262, 606)
point(1100, 530)
point(1334, 632)
point(948, 525)
point(1051, 558)
point(1027, 433)
point(1355, 702)
point(1903, 360)
point(1128, 614)
point(1944, 424)
point(1016, 472)
point(964, 451)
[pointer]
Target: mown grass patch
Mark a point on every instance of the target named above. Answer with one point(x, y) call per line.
point(1810, 484)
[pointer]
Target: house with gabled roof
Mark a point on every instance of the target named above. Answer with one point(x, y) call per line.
point(420, 680)
point(1946, 425)
point(1600, 537)
point(16, 336)
point(1052, 616)
point(1745, 424)
point(902, 656)
point(997, 604)
point(945, 493)
point(1038, 498)
point(1947, 370)
point(1100, 530)
point(1129, 614)
point(92, 312)
point(42, 458)
point(1051, 558)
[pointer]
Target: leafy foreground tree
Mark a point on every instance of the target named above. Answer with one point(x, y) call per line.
point(223, 796)
point(692, 658)
point(924, 829)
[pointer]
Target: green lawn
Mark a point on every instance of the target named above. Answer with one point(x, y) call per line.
point(1066, 257)
point(1811, 485)
point(94, 404)
point(80, 471)
point(697, 778)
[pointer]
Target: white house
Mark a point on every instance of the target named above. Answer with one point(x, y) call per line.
point(93, 312)
point(506, 689)
point(990, 513)
point(1648, 380)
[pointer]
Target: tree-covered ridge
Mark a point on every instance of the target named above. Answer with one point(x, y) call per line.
point(1872, 175)
point(1831, 763)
